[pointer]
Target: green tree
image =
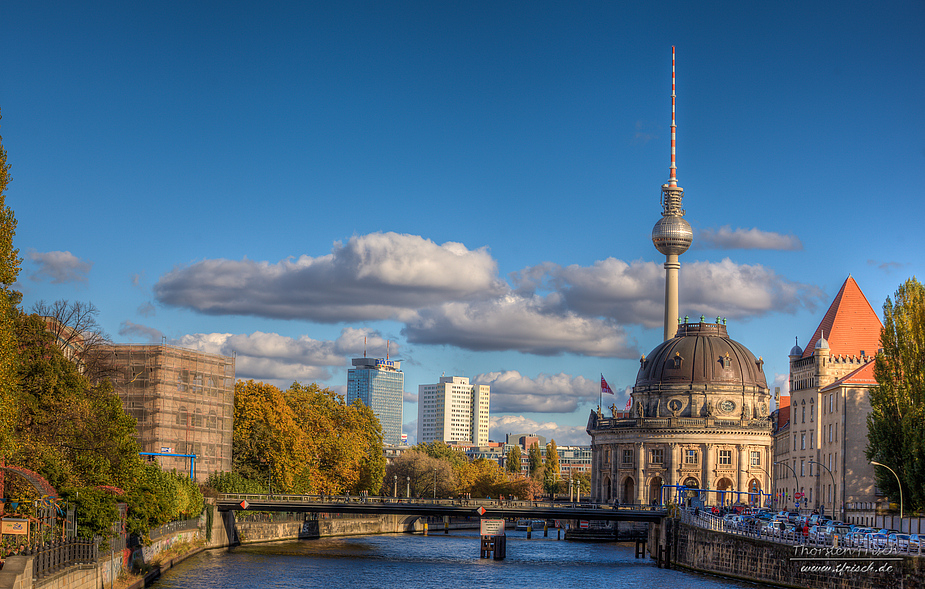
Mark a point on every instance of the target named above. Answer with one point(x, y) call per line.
point(535, 458)
point(442, 451)
point(551, 468)
point(513, 460)
point(9, 299)
point(232, 482)
point(895, 430)
point(74, 434)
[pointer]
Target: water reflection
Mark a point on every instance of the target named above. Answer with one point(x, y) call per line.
point(433, 562)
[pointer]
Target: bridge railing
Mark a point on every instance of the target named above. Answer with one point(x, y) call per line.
point(707, 520)
point(508, 503)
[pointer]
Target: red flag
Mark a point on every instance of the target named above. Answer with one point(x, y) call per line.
point(605, 388)
point(629, 402)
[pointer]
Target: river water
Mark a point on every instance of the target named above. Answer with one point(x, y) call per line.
point(436, 561)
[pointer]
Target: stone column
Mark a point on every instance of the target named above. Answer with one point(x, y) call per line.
point(673, 464)
point(743, 466)
point(708, 468)
point(595, 471)
point(640, 456)
point(615, 471)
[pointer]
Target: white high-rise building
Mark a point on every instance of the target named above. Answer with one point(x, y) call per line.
point(453, 411)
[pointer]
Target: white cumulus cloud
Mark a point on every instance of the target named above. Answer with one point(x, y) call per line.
point(727, 238)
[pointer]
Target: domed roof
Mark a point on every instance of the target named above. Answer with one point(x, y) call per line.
point(796, 350)
point(821, 344)
point(700, 354)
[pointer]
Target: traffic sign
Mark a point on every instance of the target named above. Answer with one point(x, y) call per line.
point(491, 527)
point(245, 504)
point(480, 511)
point(798, 495)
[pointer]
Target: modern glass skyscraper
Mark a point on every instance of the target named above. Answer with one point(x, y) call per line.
point(379, 384)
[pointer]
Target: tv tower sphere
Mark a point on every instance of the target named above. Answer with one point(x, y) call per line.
point(672, 235)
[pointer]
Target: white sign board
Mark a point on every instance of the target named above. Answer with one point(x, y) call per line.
point(491, 527)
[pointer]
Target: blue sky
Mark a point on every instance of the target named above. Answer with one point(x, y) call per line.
point(474, 182)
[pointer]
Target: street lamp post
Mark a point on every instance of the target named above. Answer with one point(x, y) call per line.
point(900, 489)
point(435, 484)
point(796, 488)
point(409, 487)
point(811, 461)
point(395, 490)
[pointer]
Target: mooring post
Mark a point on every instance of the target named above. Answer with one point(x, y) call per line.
point(425, 528)
point(546, 529)
point(529, 531)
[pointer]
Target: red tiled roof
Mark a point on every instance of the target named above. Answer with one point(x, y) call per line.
point(850, 325)
point(863, 376)
point(783, 414)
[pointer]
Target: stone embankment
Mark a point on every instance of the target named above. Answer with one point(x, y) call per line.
point(215, 531)
point(794, 566)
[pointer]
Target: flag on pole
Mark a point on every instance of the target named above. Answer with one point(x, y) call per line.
point(629, 403)
point(605, 388)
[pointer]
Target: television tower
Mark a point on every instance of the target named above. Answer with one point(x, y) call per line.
point(672, 235)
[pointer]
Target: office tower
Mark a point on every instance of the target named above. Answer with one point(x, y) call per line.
point(380, 385)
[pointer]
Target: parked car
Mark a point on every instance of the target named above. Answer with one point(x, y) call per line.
point(833, 530)
point(898, 541)
point(875, 540)
point(856, 538)
point(914, 543)
point(817, 533)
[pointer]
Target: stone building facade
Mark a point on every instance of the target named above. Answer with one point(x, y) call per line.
point(829, 383)
point(700, 418)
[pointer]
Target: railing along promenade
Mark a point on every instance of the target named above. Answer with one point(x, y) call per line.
point(488, 508)
point(705, 519)
point(51, 557)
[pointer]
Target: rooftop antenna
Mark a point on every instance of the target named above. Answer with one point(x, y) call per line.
point(364, 347)
point(387, 344)
point(672, 175)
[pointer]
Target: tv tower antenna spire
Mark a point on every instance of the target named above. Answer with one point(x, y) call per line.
point(672, 235)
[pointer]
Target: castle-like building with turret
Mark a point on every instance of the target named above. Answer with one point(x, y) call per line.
point(699, 425)
point(820, 449)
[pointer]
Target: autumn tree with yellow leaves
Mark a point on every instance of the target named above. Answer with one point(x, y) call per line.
point(305, 440)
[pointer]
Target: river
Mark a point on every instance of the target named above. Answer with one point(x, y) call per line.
point(437, 561)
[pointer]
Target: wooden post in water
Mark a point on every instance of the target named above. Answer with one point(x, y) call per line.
point(545, 529)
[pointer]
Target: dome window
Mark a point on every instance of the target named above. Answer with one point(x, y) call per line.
point(676, 361)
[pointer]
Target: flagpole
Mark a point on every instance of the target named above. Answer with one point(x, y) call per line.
point(600, 396)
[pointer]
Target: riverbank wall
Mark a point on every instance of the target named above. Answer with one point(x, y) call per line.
point(783, 565)
point(216, 530)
